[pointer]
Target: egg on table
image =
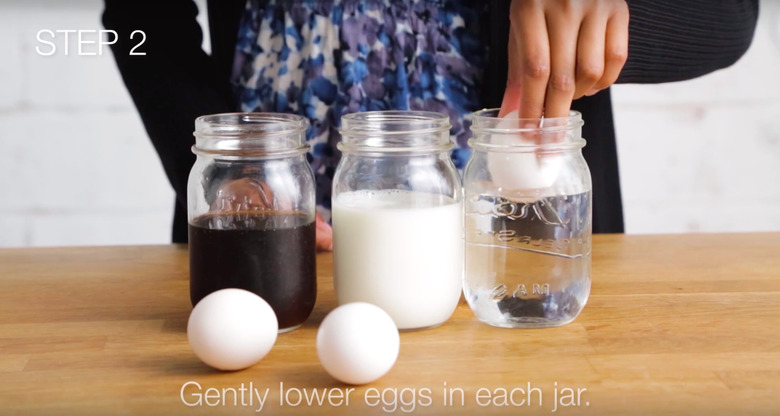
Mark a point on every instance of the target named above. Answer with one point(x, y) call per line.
point(232, 329)
point(358, 343)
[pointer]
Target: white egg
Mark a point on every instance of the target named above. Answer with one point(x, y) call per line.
point(232, 329)
point(358, 343)
point(520, 170)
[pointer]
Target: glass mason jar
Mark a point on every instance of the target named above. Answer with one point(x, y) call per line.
point(251, 211)
point(398, 217)
point(528, 221)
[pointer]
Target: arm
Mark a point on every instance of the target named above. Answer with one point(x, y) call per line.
point(173, 84)
point(176, 82)
point(673, 40)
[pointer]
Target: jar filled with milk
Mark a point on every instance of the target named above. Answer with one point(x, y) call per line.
point(528, 221)
point(398, 216)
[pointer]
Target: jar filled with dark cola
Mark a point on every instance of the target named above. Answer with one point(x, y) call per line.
point(251, 212)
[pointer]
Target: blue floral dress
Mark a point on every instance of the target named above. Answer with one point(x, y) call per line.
point(326, 58)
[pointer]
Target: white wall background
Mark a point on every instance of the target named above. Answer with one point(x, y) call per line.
point(704, 155)
point(76, 167)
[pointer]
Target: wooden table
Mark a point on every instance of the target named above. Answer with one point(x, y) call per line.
point(683, 324)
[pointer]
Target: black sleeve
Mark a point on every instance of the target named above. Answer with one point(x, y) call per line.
point(171, 85)
point(674, 40)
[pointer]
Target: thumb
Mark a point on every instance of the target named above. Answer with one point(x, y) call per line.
point(511, 102)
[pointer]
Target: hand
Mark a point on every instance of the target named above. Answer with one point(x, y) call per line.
point(324, 235)
point(560, 50)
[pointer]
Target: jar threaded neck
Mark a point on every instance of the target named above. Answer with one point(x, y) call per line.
point(513, 134)
point(250, 134)
point(395, 131)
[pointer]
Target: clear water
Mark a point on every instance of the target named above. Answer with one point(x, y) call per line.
point(528, 263)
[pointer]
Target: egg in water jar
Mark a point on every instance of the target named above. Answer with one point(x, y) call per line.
point(398, 217)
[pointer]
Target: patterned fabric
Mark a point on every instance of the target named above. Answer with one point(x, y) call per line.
point(323, 59)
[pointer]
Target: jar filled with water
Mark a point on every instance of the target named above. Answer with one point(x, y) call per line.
point(528, 221)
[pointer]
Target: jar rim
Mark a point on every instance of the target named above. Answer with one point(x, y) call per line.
point(362, 121)
point(249, 124)
point(396, 131)
point(535, 135)
point(487, 120)
point(250, 134)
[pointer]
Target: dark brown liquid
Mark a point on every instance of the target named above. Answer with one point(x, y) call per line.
point(272, 255)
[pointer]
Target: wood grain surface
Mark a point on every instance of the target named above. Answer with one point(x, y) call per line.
point(677, 325)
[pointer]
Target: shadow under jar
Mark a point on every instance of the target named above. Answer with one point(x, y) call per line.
point(528, 221)
point(251, 212)
point(398, 217)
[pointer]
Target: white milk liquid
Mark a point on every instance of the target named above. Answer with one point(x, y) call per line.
point(400, 250)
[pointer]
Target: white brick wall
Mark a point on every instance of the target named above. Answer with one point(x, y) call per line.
point(76, 167)
point(704, 155)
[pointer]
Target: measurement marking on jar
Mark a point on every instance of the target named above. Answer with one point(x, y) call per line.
point(500, 291)
point(531, 250)
point(511, 236)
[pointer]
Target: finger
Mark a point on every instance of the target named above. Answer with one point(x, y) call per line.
point(534, 47)
point(616, 48)
point(514, 89)
point(563, 33)
point(590, 54)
